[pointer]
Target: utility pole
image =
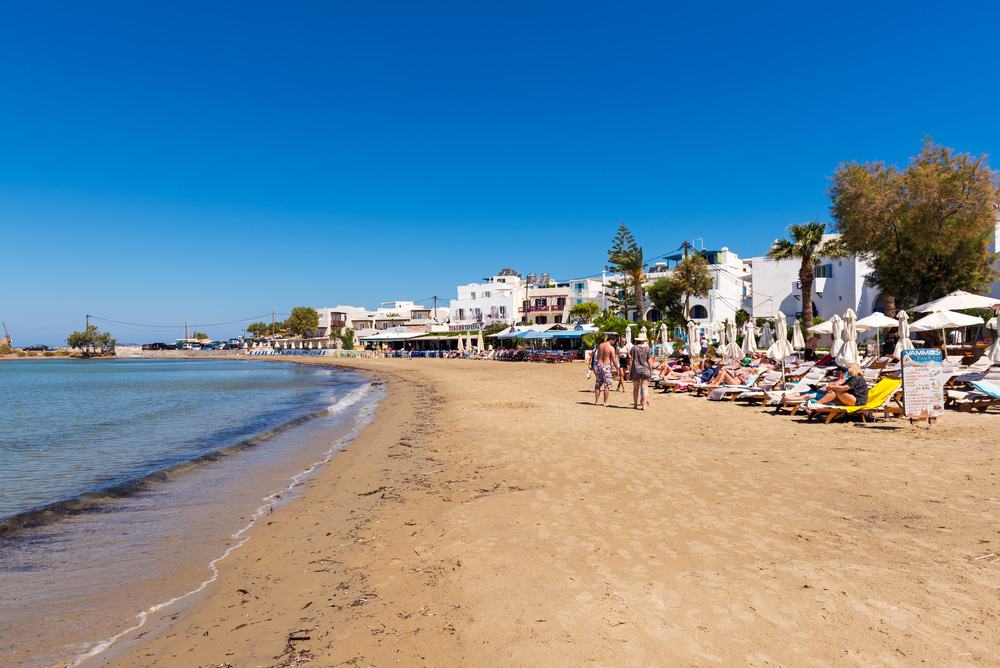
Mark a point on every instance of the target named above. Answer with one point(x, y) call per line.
point(272, 324)
point(435, 316)
point(86, 325)
point(185, 330)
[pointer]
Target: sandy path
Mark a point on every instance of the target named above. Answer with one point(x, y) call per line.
point(511, 524)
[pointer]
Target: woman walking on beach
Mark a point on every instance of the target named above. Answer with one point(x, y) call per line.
point(641, 370)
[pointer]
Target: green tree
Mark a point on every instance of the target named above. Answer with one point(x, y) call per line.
point(807, 245)
point(667, 295)
point(608, 321)
point(694, 279)
point(585, 311)
point(347, 338)
point(91, 340)
point(258, 329)
point(200, 336)
point(625, 259)
point(302, 321)
point(925, 229)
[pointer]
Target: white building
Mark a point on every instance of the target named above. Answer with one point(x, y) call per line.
point(547, 302)
point(335, 318)
point(729, 293)
point(839, 284)
point(399, 314)
point(491, 301)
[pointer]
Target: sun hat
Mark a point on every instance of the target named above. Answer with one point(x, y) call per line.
point(641, 336)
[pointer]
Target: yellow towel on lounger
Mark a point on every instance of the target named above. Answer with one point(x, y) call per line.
point(880, 393)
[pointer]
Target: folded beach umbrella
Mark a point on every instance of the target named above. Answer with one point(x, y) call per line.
point(837, 332)
point(993, 352)
point(628, 335)
point(460, 348)
point(781, 348)
point(749, 337)
point(904, 342)
point(766, 336)
point(732, 349)
point(694, 345)
point(849, 336)
point(664, 336)
point(480, 342)
point(798, 341)
point(991, 324)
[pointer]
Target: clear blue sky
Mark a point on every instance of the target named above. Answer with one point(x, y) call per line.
point(192, 162)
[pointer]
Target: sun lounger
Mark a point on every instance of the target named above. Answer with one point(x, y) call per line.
point(879, 398)
point(984, 395)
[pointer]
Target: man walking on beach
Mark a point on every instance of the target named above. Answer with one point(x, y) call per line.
point(606, 359)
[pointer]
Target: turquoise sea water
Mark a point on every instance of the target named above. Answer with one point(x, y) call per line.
point(122, 483)
point(71, 427)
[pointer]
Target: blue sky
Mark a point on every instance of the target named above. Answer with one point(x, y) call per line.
point(199, 163)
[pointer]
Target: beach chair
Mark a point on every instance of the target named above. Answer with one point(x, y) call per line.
point(788, 398)
point(880, 396)
point(984, 395)
point(760, 383)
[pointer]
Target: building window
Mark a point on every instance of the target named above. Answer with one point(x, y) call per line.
point(561, 302)
point(473, 295)
point(539, 302)
point(541, 320)
point(503, 311)
point(557, 319)
point(461, 314)
point(699, 312)
point(487, 295)
point(823, 271)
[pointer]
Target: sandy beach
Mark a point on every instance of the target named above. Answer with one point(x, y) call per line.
point(491, 516)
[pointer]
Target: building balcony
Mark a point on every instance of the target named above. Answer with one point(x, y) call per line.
point(543, 309)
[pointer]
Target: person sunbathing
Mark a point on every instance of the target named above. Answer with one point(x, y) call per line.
point(849, 390)
point(728, 377)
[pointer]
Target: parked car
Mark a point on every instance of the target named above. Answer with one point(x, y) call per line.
point(157, 346)
point(35, 349)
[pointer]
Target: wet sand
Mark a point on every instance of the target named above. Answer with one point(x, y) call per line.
point(490, 516)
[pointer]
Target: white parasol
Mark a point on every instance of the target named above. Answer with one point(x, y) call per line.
point(479, 341)
point(459, 347)
point(628, 335)
point(664, 337)
point(781, 348)
point(904, 342)
point(798, 341)
point(877, 321)
point(694, 345)
point(849, 336)
point(837, 332)
point(955, 301)
point(732, 349)
point(945, 320)
point(749, 337)
point(766, 336)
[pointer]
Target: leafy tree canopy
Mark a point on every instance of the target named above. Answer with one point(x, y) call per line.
point(91, 340)
point(926, 229)
point(302, 321)
point(806, 244)
point(585, 311)
point(625, 259)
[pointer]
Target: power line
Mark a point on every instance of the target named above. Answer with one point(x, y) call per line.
point(180, 326)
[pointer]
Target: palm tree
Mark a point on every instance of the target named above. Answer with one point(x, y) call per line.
point(625, 257)
point(808, 246)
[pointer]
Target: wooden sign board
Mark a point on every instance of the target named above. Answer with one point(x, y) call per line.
point(923, 383)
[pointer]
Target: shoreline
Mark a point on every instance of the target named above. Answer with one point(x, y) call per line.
point(490, 515)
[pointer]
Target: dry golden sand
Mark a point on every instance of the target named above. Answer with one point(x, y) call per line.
point(489, 517)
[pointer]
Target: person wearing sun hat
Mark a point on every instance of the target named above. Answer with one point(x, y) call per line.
point(640, 363)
